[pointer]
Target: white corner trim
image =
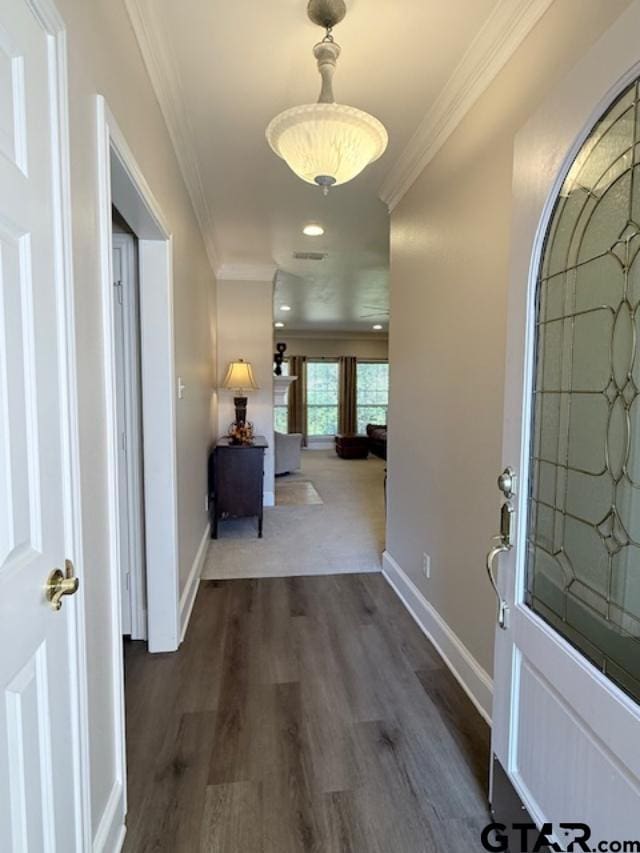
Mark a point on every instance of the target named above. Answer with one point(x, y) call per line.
point(111, 831)
point(473, 679)
point(269, 499)
point(161, 66)
point(188, 597)
point(496, 42)
point(246, 272)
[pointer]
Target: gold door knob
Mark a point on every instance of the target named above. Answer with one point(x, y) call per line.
point(59, 585)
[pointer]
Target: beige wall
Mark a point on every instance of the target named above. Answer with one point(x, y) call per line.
point(245, 330)
point(333, 347)
point(104, 58)
point(449, 273)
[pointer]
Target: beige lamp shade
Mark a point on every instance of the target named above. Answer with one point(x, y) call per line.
point(240, 377)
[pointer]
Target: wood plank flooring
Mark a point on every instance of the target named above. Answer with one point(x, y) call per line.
point(302, 714)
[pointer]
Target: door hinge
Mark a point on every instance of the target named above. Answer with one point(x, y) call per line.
point(118, 286)
point(124, 441)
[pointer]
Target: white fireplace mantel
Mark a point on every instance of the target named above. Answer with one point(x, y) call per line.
point(281, 389)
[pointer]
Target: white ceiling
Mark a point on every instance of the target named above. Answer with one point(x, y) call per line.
point(222, 70)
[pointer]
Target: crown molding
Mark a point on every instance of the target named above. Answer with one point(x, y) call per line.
point(496, 42)
point(315, 335)
point(247, 272)
point(161, 67)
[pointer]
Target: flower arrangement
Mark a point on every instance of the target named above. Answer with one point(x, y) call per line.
point(241, 433)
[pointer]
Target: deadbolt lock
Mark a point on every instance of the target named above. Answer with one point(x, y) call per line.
point(507, 482)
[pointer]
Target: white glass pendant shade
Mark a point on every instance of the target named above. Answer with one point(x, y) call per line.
point(327, 141)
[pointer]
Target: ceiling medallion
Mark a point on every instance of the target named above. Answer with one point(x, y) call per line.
point(327, 144)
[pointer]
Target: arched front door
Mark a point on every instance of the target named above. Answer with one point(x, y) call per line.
point(567, 674)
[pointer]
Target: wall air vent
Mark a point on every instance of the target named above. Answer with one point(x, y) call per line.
point(309, 256)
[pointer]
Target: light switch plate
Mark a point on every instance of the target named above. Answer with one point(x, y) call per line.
point(426, 565)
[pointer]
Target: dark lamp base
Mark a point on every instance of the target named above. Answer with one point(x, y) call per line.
point(241, 409)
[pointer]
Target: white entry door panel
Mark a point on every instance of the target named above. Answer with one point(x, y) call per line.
point(566, 721)
point(38, 744)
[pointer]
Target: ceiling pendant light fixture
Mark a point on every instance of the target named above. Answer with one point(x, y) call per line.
point(326, 143)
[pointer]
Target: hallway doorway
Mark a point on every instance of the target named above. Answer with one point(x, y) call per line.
point(329, 518)
point(141, 474)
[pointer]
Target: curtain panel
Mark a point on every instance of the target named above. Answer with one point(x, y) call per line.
point(298, 396)
point(347, 415)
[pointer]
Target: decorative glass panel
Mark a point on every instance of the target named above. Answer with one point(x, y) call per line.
point(583, 560)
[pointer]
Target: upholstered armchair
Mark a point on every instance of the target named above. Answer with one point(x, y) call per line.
point(288, 447)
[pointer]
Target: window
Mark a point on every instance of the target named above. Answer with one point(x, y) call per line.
point(372, 397)
point(281, 418)
point(322, 397)
point(281, 413)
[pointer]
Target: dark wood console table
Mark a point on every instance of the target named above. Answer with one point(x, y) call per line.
point(238, 477)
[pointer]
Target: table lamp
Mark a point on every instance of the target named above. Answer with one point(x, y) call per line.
point(240, 379)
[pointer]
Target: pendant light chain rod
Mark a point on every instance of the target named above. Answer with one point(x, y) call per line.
point(327, 53)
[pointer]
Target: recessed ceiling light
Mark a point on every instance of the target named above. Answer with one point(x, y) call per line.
point(313, 230)
point(285, 307)
point(279, 325)
point(377, 327)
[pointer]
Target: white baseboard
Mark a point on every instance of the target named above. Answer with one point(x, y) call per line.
point(111, 831)
point(473, 679)
point(269, 499)
point(188, 597)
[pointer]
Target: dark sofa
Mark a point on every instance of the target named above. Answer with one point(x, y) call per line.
point(377, 434)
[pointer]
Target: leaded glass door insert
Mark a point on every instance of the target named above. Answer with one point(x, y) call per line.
point(583, 560)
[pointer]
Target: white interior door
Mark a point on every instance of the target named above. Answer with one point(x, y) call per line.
point(124, 507)
point(566, 723)
point(129, 425)
point(39, 756)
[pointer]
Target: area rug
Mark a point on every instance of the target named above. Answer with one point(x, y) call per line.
point(296, 493)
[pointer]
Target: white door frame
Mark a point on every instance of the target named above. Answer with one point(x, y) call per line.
point(129, 296)
point(122, 183)
point(544, 151)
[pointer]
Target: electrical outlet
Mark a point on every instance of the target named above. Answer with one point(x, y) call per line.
point(426, 565)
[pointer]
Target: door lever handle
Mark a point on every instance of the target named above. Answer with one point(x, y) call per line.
point(501, 548)
point(59, 585)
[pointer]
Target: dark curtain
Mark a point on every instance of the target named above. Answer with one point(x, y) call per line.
point(298, 396)
point(347, 419)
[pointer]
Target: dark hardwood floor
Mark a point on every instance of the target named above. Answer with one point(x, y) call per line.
point(302, 714)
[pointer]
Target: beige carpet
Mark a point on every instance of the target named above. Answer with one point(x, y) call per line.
point(343, 534)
